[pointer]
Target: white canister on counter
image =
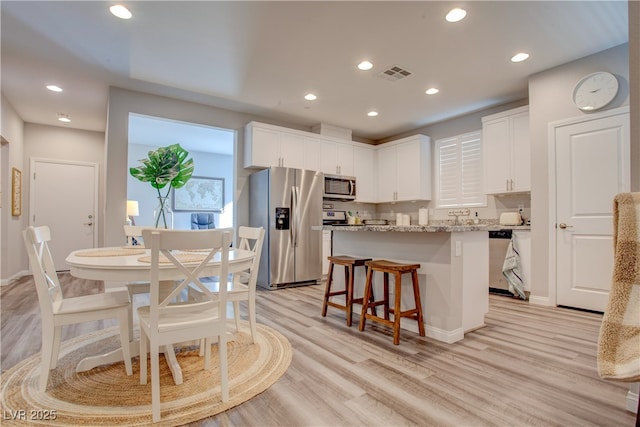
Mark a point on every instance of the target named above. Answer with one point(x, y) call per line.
point(398, 219)
point(423, 216)
point(406, 219)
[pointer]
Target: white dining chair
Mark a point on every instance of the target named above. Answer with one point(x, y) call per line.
point(242, 286)
point(164, 322)
point(134, 232)
point(58, 311)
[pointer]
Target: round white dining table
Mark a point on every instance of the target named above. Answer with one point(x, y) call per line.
point(125, 264)
point(130, 268)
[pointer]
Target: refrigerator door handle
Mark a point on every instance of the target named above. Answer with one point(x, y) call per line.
point(293, 227)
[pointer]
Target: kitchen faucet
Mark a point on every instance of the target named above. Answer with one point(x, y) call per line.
point(458, 213)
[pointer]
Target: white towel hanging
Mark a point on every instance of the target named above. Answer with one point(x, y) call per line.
point(511, 270)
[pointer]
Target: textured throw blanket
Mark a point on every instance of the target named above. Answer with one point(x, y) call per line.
point(511, 270)
point(619, 341)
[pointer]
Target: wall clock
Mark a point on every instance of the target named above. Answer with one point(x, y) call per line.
point(595, 90)
point(16, 192)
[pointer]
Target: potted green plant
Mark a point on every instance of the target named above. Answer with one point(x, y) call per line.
point(164, 166)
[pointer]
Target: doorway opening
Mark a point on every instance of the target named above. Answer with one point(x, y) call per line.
point(212, 150)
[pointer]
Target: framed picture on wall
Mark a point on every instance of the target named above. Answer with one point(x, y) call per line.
point(16, 192)
point(200, 194)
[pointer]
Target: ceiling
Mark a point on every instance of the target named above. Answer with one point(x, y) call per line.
point(263, 57)
point(161, 132)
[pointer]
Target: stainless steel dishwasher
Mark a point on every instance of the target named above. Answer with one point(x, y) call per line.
point(498, 244)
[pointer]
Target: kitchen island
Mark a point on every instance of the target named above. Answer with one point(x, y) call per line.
point(454, 273)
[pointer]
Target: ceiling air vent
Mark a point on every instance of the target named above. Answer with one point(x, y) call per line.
point(394, 73)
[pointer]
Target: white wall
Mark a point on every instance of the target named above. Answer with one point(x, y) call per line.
point(41, 141)
point(550, 101)
point(63, 143)
point(121, 103)
point(12, 262)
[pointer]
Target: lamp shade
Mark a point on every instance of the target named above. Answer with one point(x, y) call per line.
point(132, 208)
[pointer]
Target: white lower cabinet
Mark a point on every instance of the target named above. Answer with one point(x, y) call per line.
point(326, 251)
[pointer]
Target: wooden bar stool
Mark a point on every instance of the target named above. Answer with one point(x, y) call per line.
point(397, 269)
point(349, 264)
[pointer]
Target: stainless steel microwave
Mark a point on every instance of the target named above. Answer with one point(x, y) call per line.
point(338, 187)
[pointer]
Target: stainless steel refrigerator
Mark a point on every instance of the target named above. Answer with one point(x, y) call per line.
point(287, 203)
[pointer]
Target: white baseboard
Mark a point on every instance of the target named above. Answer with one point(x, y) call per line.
point(445, 336)
point(633, 395)
point(535, 300)
point(8, 281)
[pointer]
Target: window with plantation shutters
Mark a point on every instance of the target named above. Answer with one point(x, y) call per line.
point(459, 171)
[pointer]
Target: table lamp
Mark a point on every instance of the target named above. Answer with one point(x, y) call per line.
point(132, 211)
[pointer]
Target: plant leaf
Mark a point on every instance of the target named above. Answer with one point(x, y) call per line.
point(166, 165)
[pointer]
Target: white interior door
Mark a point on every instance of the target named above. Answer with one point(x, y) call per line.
point(64, 196)
point(592, 166)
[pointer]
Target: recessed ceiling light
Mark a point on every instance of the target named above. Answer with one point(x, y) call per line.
point(365, 65)
point(63, 118)
point(372, 113)
point(310, 97)
point(120, 11)
point(456, 15)
point(431, 91)
point(519, 57)
point(54, 88)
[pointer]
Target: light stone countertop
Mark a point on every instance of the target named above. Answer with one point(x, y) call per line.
point(432, 228)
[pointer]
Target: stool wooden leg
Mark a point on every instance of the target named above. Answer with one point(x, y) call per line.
point(327, 290)
point(416, 296)
point(348, 282)
point(386, 296)
point(372, 297)
point(397, 312)
point(365, 299)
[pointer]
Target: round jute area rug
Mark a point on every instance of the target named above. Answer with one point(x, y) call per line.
point(106, 396)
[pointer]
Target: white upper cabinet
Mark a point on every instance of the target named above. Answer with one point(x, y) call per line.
point(404, 170)
point(364, 169)
point(506, 151)
point(336, 158)
point(387, 174)
point(393, 172)
point(312, 147)
point(267, 146)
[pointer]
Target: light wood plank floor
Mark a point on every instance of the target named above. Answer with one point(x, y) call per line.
point(530, 366)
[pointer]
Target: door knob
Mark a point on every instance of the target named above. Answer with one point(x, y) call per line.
point(562, 225)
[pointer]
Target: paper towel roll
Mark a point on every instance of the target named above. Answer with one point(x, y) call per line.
point(406, 220)
point(423, 216)
point(399, 219)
